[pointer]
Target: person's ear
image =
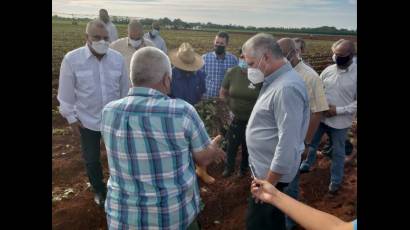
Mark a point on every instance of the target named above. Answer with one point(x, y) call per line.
point(166, 81)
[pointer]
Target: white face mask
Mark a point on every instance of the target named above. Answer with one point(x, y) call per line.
point(155, 32)
point(100, 47)
point(255, 75)
point(135, 43)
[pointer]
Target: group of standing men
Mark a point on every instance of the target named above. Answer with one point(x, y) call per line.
point(140, 101)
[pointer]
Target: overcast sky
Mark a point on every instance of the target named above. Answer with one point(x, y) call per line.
point(259, 13)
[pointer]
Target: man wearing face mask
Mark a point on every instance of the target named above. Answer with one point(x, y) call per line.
point(340, 82)
point(128, 45)
point(153, 143)
point(91, 77)
point(240, 94)
point(216, 64)
point(317, 103)
point(277, 126)
point(112, 30)
point(154, 36)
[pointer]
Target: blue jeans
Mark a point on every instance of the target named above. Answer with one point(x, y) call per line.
point(292, 190)
point(338, 138)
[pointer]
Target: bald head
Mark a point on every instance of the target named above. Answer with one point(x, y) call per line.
point(343, 48)
point(287, 46)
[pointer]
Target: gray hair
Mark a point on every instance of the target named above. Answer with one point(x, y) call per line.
point(260, 44)
point(349, 43)
point(135, 24)
point(94, 23)
point(149, 65)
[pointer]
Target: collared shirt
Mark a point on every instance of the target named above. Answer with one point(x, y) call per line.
point(188, 86)
point(86, 85)
point(158, 41)
point(341, 91)
point(112, 31)
point(314, 86)
point(123, 46)
point(150, 139)
point(278, 125)
point(215, 69)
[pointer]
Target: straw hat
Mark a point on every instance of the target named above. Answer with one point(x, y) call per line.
point(185, 58)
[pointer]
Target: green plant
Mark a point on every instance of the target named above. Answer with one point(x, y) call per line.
point(215, 115)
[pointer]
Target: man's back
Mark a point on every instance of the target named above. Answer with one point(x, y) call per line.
point(150, 139)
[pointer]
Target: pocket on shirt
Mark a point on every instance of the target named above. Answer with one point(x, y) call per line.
point(85, 82)
point(113, 82)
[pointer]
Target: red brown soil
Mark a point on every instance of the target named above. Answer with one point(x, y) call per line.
point(225, 200)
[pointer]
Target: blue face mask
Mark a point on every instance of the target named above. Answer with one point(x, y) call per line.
point(242, 63)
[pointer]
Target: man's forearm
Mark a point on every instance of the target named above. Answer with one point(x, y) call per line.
point(313, 125)
point(273, 177)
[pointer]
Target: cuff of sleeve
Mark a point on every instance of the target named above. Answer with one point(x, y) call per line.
point(202, 147)
point(71, 119)
point(339, 110)
point(281, 169)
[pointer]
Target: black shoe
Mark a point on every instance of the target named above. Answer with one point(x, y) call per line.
point(227, 173)
point(99, 199)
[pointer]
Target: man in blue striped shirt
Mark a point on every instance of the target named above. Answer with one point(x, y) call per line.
point(153, 143)
point(216, 64)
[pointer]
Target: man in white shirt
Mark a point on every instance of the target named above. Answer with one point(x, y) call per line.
point(90, 77)
point(112, 30)
point(154, 36)
point(128, 45)
point(340, 82)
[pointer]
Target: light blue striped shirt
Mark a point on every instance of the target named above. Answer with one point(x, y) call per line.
point(150, 139)
point(278, 124)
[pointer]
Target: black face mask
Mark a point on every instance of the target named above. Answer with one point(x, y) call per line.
point(342, 61)
point(219, 50)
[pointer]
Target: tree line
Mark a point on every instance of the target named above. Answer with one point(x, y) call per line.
point(180, 24)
